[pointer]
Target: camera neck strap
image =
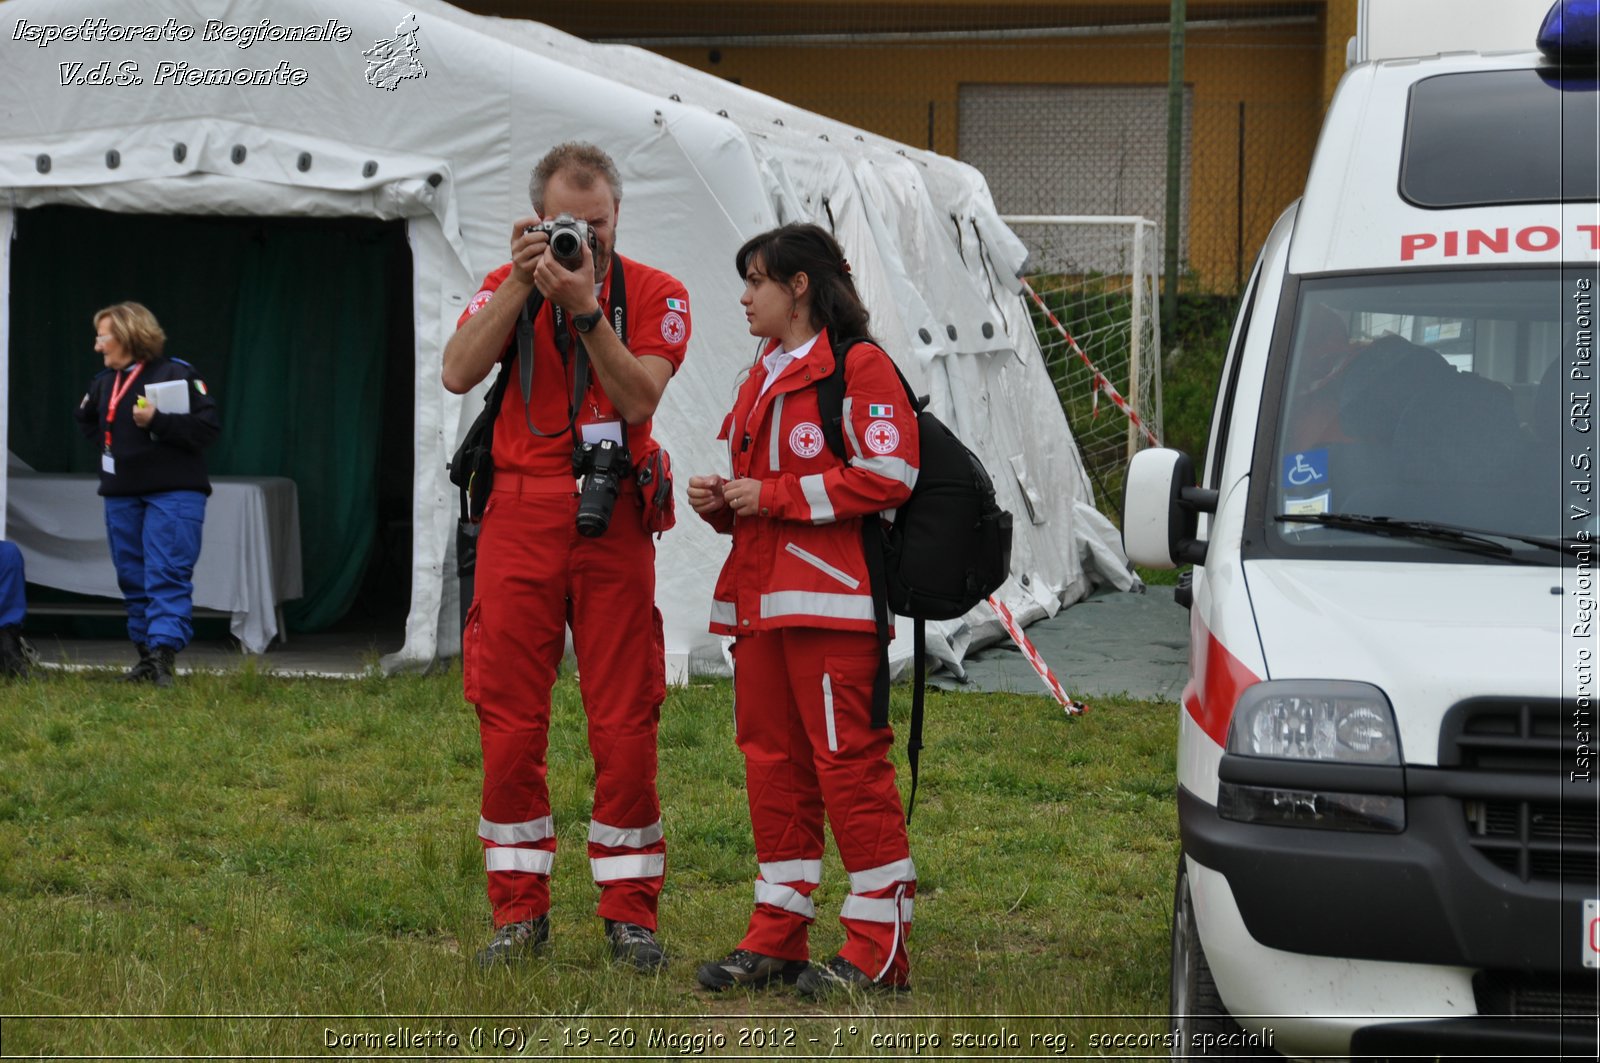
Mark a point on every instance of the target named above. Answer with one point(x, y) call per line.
point(563, 337)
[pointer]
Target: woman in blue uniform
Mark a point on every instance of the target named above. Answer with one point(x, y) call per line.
point(153, 478)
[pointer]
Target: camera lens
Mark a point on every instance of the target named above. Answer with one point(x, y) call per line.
point(602, 466)
point(564, 245)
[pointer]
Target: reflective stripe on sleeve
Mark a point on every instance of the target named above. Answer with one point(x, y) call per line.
point(527, 861)
point(624, 837)
point(611, 868)
point(812, 603)
point(785, 897)
point(817, 498)
point(873, 879)
point(724, 613)
point(534, 830)
point(875, 909)
point(793, 871)
point(897, 469)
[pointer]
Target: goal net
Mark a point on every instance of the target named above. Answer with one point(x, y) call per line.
point(1098, 280)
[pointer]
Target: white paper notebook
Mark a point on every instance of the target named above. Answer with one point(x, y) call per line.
point(169, 396)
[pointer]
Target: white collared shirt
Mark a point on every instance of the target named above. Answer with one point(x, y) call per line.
point(778, 360)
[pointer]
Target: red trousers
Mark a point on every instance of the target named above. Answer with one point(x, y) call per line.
point(802, 708)
point(535, 576)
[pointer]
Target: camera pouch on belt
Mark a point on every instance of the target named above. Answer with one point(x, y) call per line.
point(472, 465)
point(653, 474)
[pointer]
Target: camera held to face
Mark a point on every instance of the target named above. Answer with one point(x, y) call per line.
point(602, 466)
point(567, 237)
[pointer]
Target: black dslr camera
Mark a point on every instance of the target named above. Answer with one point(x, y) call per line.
point(602, 466)
point(567, 237)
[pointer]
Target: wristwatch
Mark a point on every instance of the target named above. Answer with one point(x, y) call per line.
point(585, 322)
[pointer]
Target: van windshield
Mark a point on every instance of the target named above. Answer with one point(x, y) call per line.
point(1444, 411)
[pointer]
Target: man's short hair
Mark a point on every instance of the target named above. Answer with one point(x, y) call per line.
point(580, 163)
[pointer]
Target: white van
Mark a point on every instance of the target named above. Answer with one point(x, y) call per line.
point(1386, 788)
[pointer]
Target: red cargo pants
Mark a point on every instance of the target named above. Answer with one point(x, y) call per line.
point(535, 576)
point(802, 719)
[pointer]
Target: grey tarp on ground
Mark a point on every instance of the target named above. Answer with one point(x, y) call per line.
point(1114, 642)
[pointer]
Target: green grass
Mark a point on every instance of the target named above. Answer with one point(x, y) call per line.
point(244, 847)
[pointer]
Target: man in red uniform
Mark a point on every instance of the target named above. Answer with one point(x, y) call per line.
point(536, 574)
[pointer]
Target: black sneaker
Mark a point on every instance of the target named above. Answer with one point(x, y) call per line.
point(839, 975)
point(15, 653)
point(634, 945)
point(163, 665)
point(515, 942)
point(741, 967)
point(145, 670)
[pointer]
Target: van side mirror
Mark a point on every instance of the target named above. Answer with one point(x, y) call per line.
point(1161, 509)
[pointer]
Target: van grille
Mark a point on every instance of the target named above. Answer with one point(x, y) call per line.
point(1500, 741)
point(1570, 998)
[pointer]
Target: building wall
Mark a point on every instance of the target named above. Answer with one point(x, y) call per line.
point(1259, 75)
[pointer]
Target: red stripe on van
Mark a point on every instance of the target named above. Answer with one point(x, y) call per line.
point(1216, 680)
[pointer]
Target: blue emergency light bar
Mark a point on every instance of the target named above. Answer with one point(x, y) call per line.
point(1571, 31)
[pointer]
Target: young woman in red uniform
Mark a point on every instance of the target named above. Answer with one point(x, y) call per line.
point(796, 595)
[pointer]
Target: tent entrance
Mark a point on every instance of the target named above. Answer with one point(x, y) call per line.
point(302, 330)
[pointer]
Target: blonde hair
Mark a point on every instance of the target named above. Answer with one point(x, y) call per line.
point(135, 327)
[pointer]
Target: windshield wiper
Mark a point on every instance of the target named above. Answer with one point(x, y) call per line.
point(1472, 540)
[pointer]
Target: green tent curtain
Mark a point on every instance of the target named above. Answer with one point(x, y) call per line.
point(287, 320)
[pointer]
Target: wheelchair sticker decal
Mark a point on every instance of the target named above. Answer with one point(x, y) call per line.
point(1306, 469)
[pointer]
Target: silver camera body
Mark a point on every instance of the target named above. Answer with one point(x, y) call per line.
point(567, 237)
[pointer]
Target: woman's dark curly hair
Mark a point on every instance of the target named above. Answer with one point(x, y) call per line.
point(801, 247)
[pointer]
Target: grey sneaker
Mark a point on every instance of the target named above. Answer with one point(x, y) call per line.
point(839, 975)
point(634, 945)
point(741, 967)
point(514, 943)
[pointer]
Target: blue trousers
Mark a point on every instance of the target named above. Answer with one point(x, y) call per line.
point(13, 603)
point(155, 541)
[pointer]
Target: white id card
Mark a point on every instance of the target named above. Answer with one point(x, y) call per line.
point(108, 464)
point(598, 430)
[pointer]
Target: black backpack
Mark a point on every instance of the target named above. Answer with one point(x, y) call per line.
point(947, 549)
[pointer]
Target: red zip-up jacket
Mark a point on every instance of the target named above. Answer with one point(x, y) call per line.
point(799, 563)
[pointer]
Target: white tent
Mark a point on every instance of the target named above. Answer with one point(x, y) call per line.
point(705, 164)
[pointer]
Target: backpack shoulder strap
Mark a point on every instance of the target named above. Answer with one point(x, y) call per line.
point(830, 406)
point(830, 398)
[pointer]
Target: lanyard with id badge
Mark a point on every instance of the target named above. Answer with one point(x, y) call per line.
point(108, 464)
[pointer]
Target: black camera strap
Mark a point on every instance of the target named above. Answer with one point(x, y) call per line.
point(563, 338)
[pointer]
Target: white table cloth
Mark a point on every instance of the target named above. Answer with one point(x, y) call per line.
point(249, 551)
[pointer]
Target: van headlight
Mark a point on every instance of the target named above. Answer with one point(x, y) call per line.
point(1350, 723)
point(1336, 748)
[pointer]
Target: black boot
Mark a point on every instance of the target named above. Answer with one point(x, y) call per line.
point(145, 670)
point(13, 653)
point(163, 665)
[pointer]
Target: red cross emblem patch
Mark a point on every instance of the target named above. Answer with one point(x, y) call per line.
point(882, 437)
point(806, 439)
point(673, 330)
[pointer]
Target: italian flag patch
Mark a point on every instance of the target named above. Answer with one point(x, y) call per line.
point(678, 304)
point(880, 411)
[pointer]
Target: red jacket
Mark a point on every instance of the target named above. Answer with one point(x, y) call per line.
point(799, 563)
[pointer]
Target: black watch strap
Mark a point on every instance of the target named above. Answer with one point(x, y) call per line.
point(585, 322)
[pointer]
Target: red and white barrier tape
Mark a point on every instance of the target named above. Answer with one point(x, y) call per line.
point(1025, 644)
point(1100, 381)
